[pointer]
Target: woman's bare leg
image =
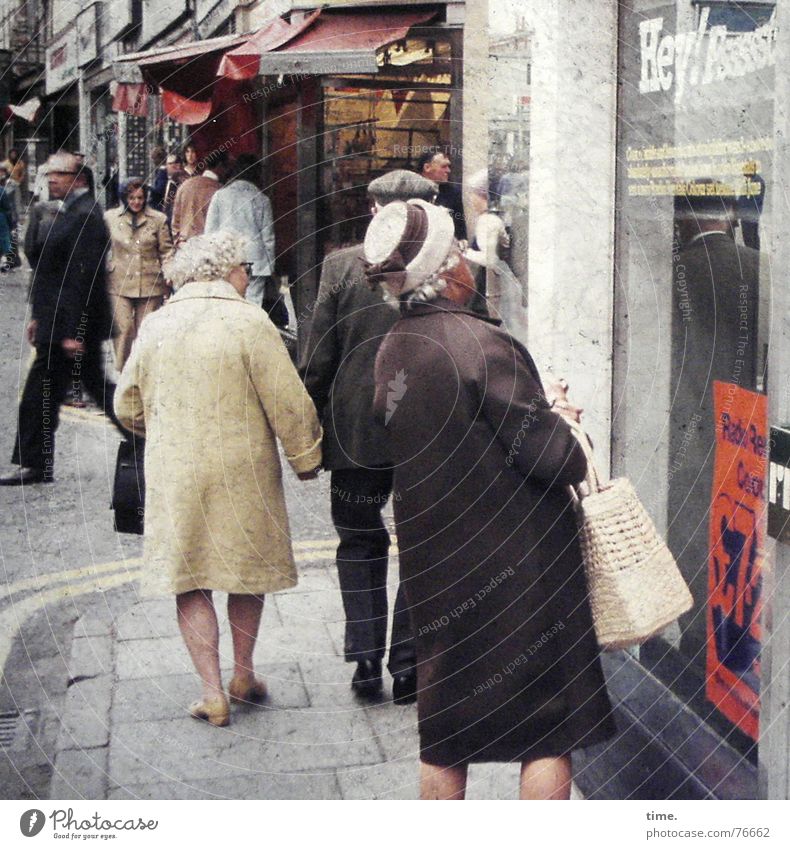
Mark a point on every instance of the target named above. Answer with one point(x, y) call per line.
point(244, 613)
point(197, 620)
point(546, 778)
point(442, 782)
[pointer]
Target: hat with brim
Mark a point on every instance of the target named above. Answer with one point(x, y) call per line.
point(406, 244)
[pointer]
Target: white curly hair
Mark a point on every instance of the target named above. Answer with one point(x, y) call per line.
point(207, 257)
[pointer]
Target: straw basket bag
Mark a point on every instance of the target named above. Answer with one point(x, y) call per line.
point(636, 589)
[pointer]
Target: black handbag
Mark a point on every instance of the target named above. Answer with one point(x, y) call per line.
point(128, 491)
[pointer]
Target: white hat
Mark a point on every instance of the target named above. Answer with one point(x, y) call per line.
point(407, 244)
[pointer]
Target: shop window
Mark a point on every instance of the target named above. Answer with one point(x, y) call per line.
point(692, 301)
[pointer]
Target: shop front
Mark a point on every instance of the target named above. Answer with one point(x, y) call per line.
point(330, 99)
point(650, 197)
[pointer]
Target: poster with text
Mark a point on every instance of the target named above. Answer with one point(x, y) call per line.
point(737, 539)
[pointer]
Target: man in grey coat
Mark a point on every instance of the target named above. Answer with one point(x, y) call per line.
point(349, 322)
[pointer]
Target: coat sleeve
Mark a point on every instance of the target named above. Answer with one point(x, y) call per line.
point(178, 206)
point(128, 401)
point(267, 230)
point(320, 360)
point(165, 241)
point(537, 442)
point(285, 402)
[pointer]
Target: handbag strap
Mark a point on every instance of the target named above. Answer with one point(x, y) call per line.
point(593, 476)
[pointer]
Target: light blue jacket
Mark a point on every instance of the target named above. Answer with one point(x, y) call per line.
point(242, 207)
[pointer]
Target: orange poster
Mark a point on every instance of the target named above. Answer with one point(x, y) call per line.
point(737, 538)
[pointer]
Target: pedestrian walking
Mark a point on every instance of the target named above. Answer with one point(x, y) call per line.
point(190, 159)
point(193, 198)
point(504, 296)
point(435, 166)
point(139, 243)
point(349, 322)
point(175, 177)
point(243, 207)
point(7, 221)
point(211, 387)
point(70, 319)
point(156, 191)
point(508, 668)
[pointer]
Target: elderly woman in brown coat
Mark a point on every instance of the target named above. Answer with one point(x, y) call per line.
point(139, 244)
point(507, 662)
point(210, 385)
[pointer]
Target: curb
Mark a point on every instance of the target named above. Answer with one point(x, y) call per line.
point(82, 750)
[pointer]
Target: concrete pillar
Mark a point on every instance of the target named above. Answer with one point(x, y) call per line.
point(774, 745)
point(571, 200)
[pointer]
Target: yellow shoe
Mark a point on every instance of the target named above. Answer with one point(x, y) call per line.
point(215, 711)
point(243, 690)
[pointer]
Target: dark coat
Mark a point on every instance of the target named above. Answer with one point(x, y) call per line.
point(349, 323)
point(451, 197)
point(508, 664)
point(69, 293)
point(714, 337)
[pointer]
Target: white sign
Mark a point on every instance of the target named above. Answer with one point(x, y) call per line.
point(88, 35)
point(701, 56)
point(61, 67)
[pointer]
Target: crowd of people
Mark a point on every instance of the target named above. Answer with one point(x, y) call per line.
point(402, 392)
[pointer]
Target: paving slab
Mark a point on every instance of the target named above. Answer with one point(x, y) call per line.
point(90, 657)
point(168, 696)
point(389, 780)
point(321, 785)
point(80, 774)
point(86, 714)
point(255, 743)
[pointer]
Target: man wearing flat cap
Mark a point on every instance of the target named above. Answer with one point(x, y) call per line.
point(349, 322)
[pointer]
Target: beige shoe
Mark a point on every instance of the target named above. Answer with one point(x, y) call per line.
point(248, 690)
point(215, 711)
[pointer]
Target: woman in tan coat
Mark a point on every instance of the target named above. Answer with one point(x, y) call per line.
point(140, 242)
point(210, 385)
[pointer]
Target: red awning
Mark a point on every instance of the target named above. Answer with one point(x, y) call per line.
point(327, 43)
point(184, 74)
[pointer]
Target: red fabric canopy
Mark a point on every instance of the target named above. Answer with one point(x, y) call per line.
point(242, 62)
point(359, 32)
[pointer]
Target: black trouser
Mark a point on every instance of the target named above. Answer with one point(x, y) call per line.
point(51, 379)
point(358, 497)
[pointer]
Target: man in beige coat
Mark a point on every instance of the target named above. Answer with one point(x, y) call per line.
point(140, 243)
point(212, 388)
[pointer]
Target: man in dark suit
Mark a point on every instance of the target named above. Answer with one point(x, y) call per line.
point(349, 322)
point(435, 166)
point(70, 319)
point(715, 296)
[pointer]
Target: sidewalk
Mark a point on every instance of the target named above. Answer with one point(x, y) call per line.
point(126, 733)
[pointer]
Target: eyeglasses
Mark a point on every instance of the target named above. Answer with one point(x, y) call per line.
point(247, 266)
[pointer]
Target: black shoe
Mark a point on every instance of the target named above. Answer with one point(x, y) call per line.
point(404, 688)
point(367, 679)
point(25, 475)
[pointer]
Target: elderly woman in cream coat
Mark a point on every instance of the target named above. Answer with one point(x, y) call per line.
point(211, 387)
